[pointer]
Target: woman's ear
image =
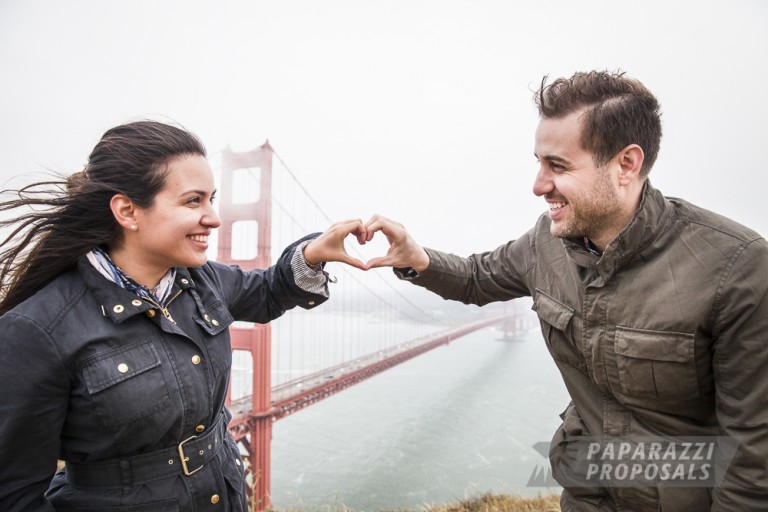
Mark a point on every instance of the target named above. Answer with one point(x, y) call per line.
point(124, 211)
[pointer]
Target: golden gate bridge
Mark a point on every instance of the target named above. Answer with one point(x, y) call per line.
point(331, 348)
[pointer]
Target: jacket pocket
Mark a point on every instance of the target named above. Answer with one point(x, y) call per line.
point(233, 471)
point(567, 457)
point(556, 321)
point(684, 499)
point(555, 313)
point(215, 319)
point(158, 506)
point(126, 383)
point(656, 364)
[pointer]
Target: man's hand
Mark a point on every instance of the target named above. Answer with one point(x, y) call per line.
point(330, 245)
point(403, 250)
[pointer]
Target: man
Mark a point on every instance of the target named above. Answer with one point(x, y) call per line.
point(654, 310)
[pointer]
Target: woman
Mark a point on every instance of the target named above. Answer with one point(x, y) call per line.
point(116, 353)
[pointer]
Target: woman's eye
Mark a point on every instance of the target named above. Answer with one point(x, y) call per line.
point(194, 200)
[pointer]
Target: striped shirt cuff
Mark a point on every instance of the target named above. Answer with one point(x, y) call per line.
point(308, 279)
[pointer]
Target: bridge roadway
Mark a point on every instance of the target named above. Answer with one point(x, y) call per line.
point(296, 394)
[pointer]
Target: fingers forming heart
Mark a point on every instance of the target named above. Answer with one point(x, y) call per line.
point(375, 247)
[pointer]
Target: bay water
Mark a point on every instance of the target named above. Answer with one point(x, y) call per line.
point(457, 422)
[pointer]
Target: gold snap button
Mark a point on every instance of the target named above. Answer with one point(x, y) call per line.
point(207, 318)
point(311, 303)
point(195, 359)
point(170, 461)
point(202, 452)
point(215, 322)
point(215, 499)
point(199, 428)
point(151, 313)
point(136, 302)
point(122, 368)
point(237, 461)
point(185, 281)
point(118, 309)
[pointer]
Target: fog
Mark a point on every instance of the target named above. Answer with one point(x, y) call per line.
point(418, 110)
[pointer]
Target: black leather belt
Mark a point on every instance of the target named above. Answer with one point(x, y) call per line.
point(186, 458)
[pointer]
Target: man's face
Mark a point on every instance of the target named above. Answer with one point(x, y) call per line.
point(583, 199)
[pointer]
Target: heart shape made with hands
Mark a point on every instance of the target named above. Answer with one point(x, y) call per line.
point(374, 248)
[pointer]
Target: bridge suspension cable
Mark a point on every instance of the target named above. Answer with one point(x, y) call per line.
point(358, 253)
point(360, 332)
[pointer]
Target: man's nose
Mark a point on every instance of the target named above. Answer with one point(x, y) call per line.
point(543, 183)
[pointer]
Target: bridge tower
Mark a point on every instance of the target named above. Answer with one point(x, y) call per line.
point(250, 220)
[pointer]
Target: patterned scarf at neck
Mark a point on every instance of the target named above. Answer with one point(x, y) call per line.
point(106, 267)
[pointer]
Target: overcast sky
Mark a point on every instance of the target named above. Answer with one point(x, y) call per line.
point(419, 110)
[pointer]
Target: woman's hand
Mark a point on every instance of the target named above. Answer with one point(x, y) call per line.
point(330, 245)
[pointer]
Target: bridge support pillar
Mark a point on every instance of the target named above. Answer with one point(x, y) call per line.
point(238, 170)
point(260, 422)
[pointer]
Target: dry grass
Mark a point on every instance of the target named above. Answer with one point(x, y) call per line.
point(502, 503)
point(485, 503)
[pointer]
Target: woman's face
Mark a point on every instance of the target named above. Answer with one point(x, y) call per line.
point(174, 231)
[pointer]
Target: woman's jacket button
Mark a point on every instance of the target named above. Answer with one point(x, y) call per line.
point(118, 309)
point(195, 359)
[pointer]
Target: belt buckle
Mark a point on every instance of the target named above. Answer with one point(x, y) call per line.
point(184, 458)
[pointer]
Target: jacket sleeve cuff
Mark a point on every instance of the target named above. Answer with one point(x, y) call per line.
point(310, 279)
point(405, 273)
point(431, 274)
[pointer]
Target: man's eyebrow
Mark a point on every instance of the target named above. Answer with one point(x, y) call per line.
point(552, 158)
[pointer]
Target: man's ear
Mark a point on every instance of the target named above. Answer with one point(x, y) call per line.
point(630, 160)
point(124, 211)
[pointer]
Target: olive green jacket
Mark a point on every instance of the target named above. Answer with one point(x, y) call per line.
point(665, 334)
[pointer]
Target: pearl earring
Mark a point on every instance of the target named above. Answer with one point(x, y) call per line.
point(134, 227)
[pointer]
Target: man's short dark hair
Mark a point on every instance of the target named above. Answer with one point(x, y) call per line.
point(618, 111)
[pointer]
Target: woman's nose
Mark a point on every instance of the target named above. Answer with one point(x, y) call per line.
point(211, 219)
